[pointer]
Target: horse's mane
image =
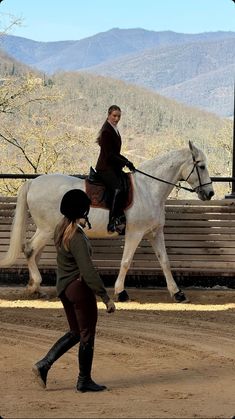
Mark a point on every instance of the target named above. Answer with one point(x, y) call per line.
point(179, 155)
point(160, 160)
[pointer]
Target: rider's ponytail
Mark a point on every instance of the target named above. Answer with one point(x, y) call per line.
point(64, 233)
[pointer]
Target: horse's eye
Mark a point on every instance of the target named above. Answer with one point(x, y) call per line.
point(202, 167)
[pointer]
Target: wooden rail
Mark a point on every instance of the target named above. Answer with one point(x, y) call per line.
point(200, 238)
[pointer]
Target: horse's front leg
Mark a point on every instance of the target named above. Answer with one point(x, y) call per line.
point(131, 242)
point(157, 241)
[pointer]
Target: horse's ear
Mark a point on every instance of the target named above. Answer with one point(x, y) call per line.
point(190, 145)
point(194, 149)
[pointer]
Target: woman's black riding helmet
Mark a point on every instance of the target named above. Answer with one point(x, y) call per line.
point(75, 204)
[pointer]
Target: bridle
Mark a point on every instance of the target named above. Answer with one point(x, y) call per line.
point(195, 167)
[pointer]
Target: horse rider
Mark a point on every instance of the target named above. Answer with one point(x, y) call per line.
point(109, 168)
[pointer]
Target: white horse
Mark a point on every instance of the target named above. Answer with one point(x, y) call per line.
point(145, 218)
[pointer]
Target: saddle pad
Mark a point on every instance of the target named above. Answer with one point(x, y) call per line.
point(96, 192)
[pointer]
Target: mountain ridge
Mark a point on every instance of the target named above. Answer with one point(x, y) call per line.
point(167, 62)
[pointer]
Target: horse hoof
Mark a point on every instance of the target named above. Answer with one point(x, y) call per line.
point(180, 297)
point(123, 296)
point(43, 295)
point(36, 295)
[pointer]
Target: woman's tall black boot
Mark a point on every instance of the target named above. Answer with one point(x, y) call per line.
point(41, 368)
point(117, 219)
point(85, 382)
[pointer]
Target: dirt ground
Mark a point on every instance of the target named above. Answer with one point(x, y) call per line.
point(159, 359)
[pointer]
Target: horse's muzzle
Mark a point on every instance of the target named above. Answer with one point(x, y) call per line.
point(204, 195)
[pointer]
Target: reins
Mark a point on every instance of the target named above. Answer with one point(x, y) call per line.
point(195, 166)
point(165, 181)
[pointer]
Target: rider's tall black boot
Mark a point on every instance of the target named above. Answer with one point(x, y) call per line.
point(41, 368)
point(117, 219)
point(85, 382)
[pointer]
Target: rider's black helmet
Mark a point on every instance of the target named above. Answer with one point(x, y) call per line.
point(75, 204)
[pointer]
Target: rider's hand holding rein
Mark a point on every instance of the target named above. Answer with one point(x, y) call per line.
point(130, 166)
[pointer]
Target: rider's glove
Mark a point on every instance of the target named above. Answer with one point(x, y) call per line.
point(130, 166)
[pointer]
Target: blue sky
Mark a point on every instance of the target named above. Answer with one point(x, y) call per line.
point(56, 20)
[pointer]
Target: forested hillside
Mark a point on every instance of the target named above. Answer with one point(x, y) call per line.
point(50, 125)
point(195, 69)
point(11, 67)
point(198, 74)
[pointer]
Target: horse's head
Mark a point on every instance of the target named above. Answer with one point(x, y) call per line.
point(195, 172)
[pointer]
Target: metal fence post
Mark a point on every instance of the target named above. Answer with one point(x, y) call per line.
point(232, 195)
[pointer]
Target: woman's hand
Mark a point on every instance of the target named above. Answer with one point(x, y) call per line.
point(110, 306)
point(130, 166)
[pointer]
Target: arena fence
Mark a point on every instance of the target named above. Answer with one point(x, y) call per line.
point(200, 242)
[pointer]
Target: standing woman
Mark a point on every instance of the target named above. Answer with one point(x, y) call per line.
point(109, 167)
point(77, 284)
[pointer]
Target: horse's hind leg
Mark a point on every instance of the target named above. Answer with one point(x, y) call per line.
point(131, 243)
point(157, 241)
point(32, 250)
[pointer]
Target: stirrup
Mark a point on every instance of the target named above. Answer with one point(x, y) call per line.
point(121, 229)
point(111, 226)
point(117, 224)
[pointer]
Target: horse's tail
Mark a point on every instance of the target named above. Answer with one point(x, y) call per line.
point(18, 227)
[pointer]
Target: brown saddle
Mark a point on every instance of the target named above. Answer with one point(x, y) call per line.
point(96, 192)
